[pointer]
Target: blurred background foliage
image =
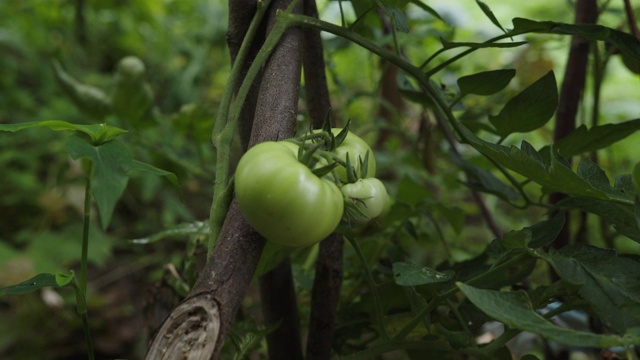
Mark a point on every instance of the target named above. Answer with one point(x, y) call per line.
point(177, 81)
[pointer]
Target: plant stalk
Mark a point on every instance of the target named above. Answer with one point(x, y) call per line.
point(373, 286)
point(225, 125)
point(82, 288)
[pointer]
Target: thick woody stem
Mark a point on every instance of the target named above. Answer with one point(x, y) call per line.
point(275, 119)
point(328, 277)
point(571, 92)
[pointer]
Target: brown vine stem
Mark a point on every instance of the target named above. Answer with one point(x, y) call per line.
point(325, 294)
point(631, 18)
point(275, 119)
point(571, 92)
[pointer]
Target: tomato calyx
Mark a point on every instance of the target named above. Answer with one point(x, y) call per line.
point(355, 173)
point(347, 156)
point(314, 158)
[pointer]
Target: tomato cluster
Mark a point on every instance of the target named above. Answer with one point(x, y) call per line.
point(296, 192)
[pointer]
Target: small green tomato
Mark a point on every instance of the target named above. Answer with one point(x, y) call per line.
point(365, 199)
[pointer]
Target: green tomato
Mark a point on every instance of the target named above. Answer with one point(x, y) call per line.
point(357, 149)
point(282, 199)
point(366, 200)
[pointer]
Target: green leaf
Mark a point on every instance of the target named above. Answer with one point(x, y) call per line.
point(150, 169)
point(544, 232)
point(38, 282)
point(487, 182)
point(608, 281)
point(523, 26)
point(53, 250)
point(624, 184)
point(426, 8)
point(536, 236)
point(99, 133)
point(515, 310)
point(454, 215)
point(530, 109)
point(621, 216)
point(411, 192)
point(487, 11)
point(627, 43)
point(636, 183)
point(636, 177)
point(596, 177)
point(111, 162)
point(485, 83)
point(582, 140)
point(555, 176)
point(636, 210)
point(408, 274)
point(457, 339)
point(272, 255)
point(394, 10)
point(575, 184)
point(64, 279)
point(447, 45)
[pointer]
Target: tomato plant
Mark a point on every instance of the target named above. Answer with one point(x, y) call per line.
point(282, 199)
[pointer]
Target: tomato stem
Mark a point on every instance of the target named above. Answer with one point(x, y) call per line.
point(373, 286)
point(82, 286)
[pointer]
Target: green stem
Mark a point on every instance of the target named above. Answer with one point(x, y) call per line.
point(227, 95)
point(456, 312)
point(225, 125)
point(459, 56)
point(373, 286)
point(501, 340)
point(85, 231)
point(82, 286)
point(87, 335)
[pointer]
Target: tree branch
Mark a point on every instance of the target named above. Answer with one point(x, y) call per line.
point(325, 297)
point(275, 119)
point(325, 294)
point(571, 92)
point(318, 101)
point(279, 307)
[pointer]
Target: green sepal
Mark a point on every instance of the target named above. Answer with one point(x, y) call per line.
point(352, 211)
point(326, 125)
point(338, 139)
point(306, 156)
point(364, 165)
point(351, 171)
point(322, 171)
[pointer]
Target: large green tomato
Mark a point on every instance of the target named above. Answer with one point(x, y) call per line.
point(357, 149)
point(282, 199)
point(366, 200)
